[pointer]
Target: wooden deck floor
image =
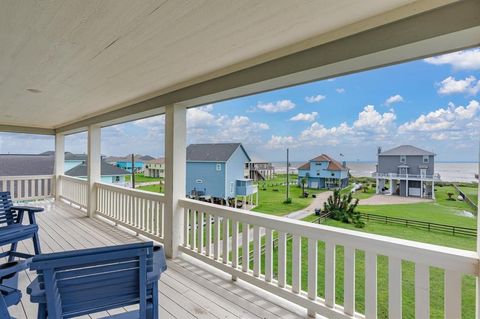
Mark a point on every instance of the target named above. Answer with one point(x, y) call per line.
point(187, 289)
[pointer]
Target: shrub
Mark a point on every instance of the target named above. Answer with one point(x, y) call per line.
point(343, 209)
point(287, 201)
point(450, 196)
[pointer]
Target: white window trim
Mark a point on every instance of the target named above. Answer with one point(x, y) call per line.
point(403, 159)
point(219, 167)
point(427, 158)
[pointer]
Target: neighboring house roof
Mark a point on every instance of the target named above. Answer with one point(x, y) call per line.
point(128, 158)
point(75, 157)
point(407, 150)
point(219, 152)
point(26, 165)
point(159, 160)
point(106, 170)
point(333, 165)
point(146, 158)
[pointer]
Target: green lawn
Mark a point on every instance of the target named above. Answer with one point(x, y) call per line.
point(441, 194)
point(140, 178)
point(471, 192)
point(151, 188)
point(361, 194)
point(272, 194)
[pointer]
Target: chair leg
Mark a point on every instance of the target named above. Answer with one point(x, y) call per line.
point(42, 311)
point(36, 244)
point(3, 309)
point(156, 311)
point(13, 248)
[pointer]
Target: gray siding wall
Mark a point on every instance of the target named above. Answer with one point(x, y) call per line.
point(389, 164)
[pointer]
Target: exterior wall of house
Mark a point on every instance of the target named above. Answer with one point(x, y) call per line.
point(69, 164)
point(120, 179)
point(389, 164)
point(127, 165)
point(204, 176)
point(318, 175)
point(154, 170)
point(235, 171)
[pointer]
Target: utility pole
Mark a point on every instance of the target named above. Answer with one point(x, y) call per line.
point(133, 171)
point(288, 170)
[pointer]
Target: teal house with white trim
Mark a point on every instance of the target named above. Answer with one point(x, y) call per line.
point(218, 171)
point(323, 172)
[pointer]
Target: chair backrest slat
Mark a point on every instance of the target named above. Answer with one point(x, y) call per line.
point(7, 215)
point(93, 280)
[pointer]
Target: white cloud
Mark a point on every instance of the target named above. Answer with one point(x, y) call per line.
point(452, 122)
point(279, 106)
point(280, 142)
point(370, 120)
point(461, 60)
point(340, 90)
point(315, 98)
point(319, 134)
point(308, 117)
point(394, 99)
point(450, 85)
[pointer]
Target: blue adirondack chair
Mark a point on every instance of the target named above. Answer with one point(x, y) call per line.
point(12, 229)
point(75, 283)
point(9, 294)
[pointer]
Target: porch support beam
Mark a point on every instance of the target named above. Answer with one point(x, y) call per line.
point(26, 130)
point(175, 174)
point(59, 163)
point(93, 167)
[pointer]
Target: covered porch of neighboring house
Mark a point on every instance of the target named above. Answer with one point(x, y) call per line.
point(406, 185)
point(224, 262)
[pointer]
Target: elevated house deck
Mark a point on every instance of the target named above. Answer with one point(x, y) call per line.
point(81, 66)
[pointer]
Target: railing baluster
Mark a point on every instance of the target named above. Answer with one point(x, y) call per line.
point(422, 291)
point(256, 251)
point(216, 238)
point(282, 259)
point(453, 294)
point(186, 215)
point(193, 230)
point(234, 244)
point(245, 247)
point(312, 272)
point(200, 232)
point(371, 285)
point(268, 255)
point(394, 288)
point(329, 274)
point(208, 234)
point(296, 263)
point(349, 281)
point(225, 240)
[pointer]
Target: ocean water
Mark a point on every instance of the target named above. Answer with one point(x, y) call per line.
point(449, 172)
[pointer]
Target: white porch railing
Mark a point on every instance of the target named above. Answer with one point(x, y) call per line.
point(435, 177)
point(74, 190)
point(134, 209)
point(203, 240)
point(28, 187)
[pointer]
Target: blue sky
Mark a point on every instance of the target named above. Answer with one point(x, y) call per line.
point(431, 103)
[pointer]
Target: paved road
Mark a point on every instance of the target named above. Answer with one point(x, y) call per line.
point(310, 209)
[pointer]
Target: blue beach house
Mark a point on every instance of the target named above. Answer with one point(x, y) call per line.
point(323, 172)
point(218, 171)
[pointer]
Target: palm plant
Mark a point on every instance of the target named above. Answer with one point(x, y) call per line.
point(342, 208)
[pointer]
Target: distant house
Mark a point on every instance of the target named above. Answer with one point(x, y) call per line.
point(110, 174)
point(155, 168)
point(260, 171)
point(218, 171)
point(323, 172)
point(43, 164)
point(406, 170)
point(125, 162)
point(71, 159)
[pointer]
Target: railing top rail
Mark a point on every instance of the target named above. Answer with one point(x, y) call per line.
point(26, 177)
point(133, 192)
point(74, 179)
point(439, 256)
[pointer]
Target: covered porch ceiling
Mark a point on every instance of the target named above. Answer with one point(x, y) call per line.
point(66, 65)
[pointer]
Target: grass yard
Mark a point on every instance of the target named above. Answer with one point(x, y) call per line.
point(140, 178)
point(441, 195)
point(271, 202)
point(471, 192)
point(361, 194)
point(151, 188)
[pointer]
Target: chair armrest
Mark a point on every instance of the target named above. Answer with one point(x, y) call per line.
point(29, 209)
point(13, 267)
point(37, 294)
point(159, 264)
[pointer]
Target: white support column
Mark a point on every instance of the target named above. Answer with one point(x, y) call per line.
point(93, 167)
point(477, 312)
point(391, 186)
point(59, 164)
point(433, 190)
point(406, 187)
point(421, 188)
point(175, 174)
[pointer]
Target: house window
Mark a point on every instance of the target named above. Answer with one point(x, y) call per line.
point(117, 178)
point(219, 167)
point(425, 159)
point(403, 159)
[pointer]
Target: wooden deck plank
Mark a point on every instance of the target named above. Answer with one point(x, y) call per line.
point(185, 290)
